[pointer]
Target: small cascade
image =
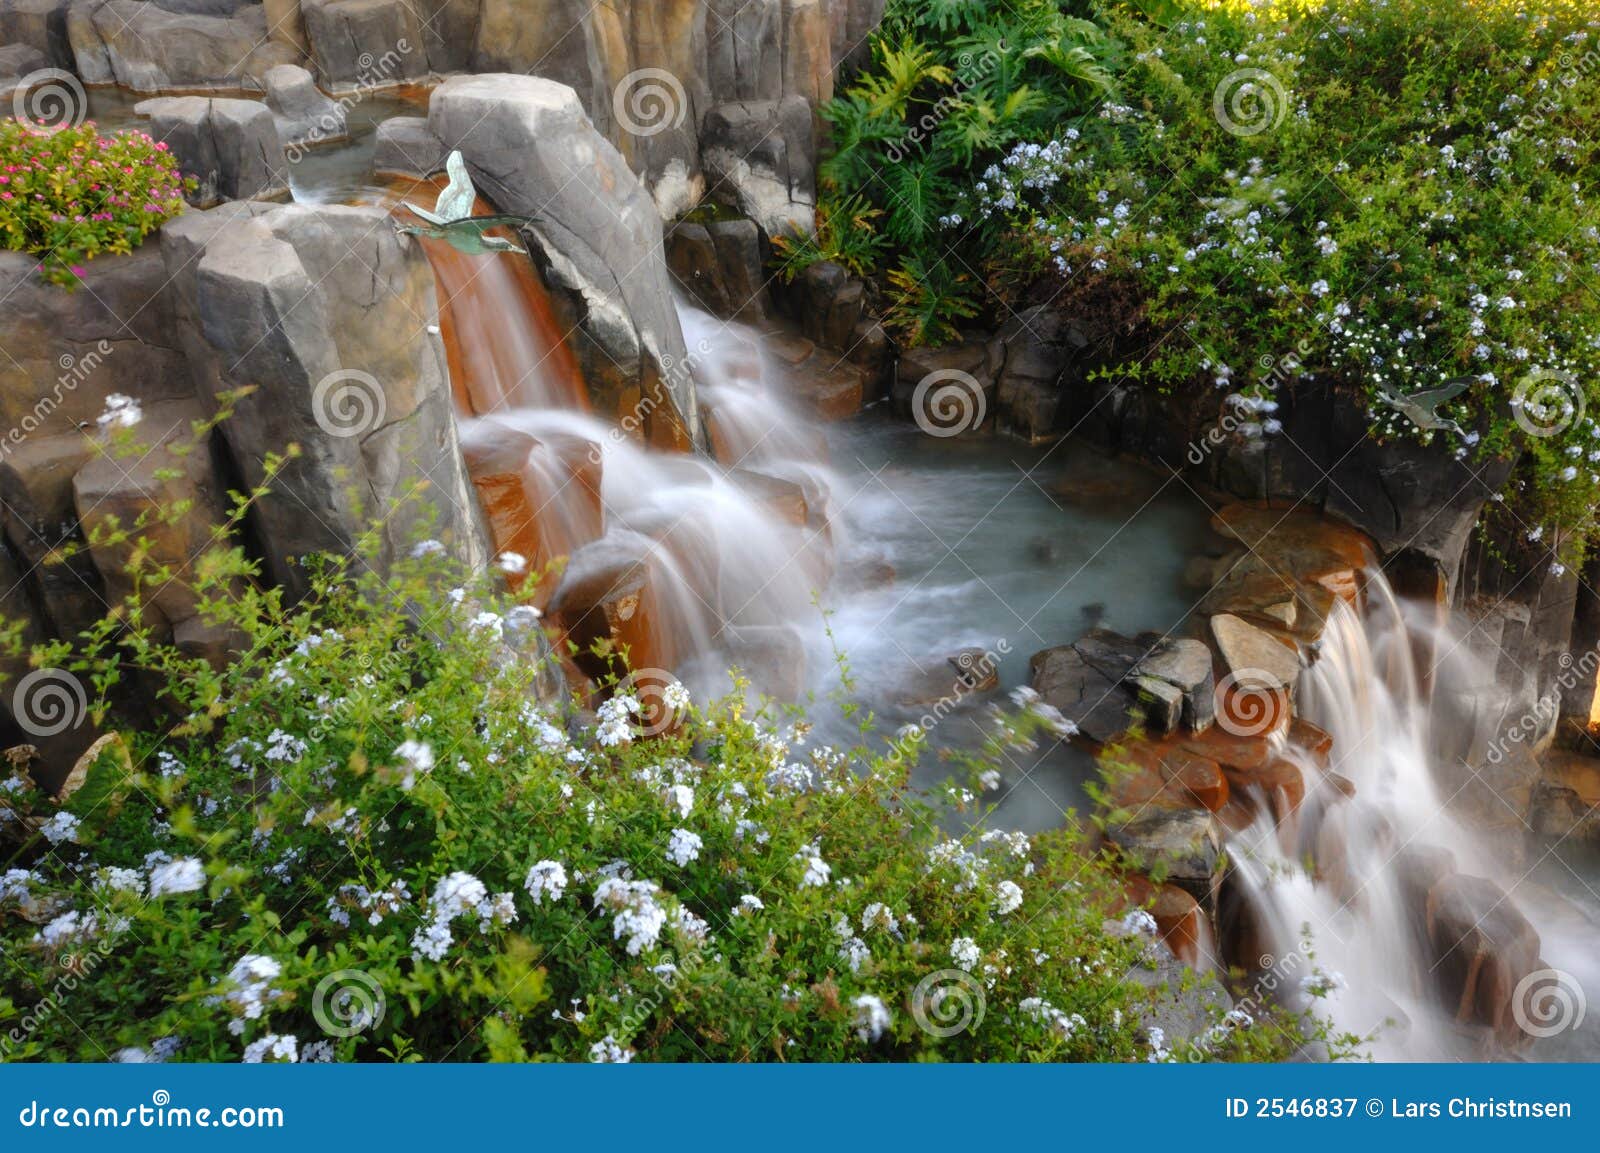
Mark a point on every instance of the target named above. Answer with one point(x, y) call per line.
point(1350, 896)
point(691, 565)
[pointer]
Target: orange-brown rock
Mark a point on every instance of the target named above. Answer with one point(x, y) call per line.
point(1278, 782)
point(784, 499)
point(605, 608)
point(1482, 948)
point(1197, 779)
point(1309, 547)
point(540, 498)
point(1315, 741)
point(1180, 922)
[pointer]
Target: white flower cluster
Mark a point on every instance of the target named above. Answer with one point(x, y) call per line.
point(454, 896)
point(637, 911)
point(376, 904)
point(616, 720)
point(546, 880)
point(248, 989)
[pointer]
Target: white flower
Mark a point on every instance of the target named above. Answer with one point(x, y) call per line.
point(416, 758)
point(639, 916)
point(272, 1047)
point(965, 953)
point(749, 904)
point(879, 916)
point(61, 827)
point(872, 1018)
point(185, 875)
point(250, 988)
point(675, 697)
point(1139, 921)
point(684, 847)
point(115, 880)
point(489, 625)
point(546, 879)
point(681, 797)
point(512, 562)
point(1007, 897)
point(817, 870)
point(610, 1051)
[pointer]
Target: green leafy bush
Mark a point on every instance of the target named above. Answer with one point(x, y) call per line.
point(70, 194)
point(371, 837)
point(1382, 196)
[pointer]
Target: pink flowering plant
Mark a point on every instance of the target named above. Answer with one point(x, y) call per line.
point(383, 831)
point(70, 194)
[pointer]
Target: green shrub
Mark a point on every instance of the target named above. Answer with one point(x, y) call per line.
point(371, 807)
point(70, 194)
point(1382, 196)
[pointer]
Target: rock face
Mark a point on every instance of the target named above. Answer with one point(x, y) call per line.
point(230, 147)
point(649, 71)
point(305, 117)
point(40, 25)
point(325, 313)
point(720, 263)
point(174, 45)
point(758, 159)
point(406, 146)
point(368, 44)
point(17, 63)
point(597, 238)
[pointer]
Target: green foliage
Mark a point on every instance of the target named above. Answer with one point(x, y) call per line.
point(70, 194)
point(953, 84)
point(372, 836)
point(1378, 197)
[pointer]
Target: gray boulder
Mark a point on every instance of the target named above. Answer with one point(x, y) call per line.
point(230, 146)
point(365, 44)
point(597, 239)
point(1039, 343)
point(757, 156)
point(720, 264)
point(151, 47)
point(332, 318)
point(40, 25)
point(406, 146)
point(305, 117)
point(17, 63)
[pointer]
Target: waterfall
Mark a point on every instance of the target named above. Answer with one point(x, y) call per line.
point(1336, 897)
point(720, 561)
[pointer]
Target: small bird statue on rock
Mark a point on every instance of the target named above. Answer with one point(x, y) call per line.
point(452, 221)
point(1421, 408)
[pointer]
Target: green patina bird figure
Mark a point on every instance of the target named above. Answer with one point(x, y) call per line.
point(452, 221)
point(1421, 408)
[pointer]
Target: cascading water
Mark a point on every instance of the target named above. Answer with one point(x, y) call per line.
point(732, 555)
point(1332, 892)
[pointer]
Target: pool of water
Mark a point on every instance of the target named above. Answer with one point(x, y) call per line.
point(996, 546)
